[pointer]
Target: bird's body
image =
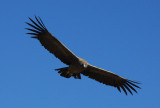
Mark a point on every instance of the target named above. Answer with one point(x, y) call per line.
point(76, 65)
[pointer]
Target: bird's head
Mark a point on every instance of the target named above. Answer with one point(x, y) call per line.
point(83, 63)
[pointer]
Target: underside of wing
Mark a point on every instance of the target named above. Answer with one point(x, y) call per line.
point(52, 44)
point(109, 78)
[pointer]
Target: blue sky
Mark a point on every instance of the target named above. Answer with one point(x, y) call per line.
point(122, 36)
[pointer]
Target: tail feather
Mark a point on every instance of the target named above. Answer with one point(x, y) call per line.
point(65, 73)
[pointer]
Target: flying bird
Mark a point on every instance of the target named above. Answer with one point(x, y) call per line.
point(76, 65)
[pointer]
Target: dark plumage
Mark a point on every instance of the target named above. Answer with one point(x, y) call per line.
point(77, 66)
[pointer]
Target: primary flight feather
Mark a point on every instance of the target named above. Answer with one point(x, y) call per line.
point(77, 66)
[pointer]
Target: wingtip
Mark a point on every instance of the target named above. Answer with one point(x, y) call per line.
point(124, 90)
point(128, 86)
point(27, 23)
point(29, 18)
point(35, 37)
point(32, 34)
point(35, 17)
point(119, 89)
point(134, 81)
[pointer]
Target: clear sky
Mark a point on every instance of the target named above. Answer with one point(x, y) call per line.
point(122, 36)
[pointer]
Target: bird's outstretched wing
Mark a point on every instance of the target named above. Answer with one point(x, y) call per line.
point(109, 78)
point(52, 44)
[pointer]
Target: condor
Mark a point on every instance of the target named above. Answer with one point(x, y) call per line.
point(76, 65)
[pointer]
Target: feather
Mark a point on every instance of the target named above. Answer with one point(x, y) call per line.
point(52, 44)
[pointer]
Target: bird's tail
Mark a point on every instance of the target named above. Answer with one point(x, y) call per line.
point(65, 73)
